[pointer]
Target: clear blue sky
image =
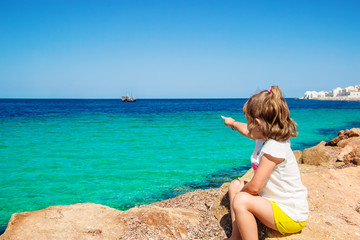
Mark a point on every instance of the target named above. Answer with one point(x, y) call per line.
point(176, 48)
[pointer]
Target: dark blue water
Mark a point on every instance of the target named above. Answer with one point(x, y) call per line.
point(34, 107)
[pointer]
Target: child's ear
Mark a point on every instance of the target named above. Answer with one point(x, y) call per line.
point(258, 122)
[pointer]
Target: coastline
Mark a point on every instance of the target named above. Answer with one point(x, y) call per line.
point(338, 98)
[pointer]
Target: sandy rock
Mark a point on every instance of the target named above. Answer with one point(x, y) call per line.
point(343, 149)
point(298, 156)
point(201, 201)
point(354, 132)
point(221, 209)
point(221, 205)
point(333, 204)
point(94, 221)
point(350, 152)
point(334, 141)
point(78, 221)
point(355, 141)
point(353, 157)
point(152, 222)
point(321, 155)
point(248, 175)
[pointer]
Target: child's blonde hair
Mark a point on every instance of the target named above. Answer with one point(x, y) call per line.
point(271, 109)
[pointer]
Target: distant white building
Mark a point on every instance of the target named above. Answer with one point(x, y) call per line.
point(354, 93)
point(310, 94)
point(351, 91)
point(347, 90)
point(321, 94)
point(337, 92)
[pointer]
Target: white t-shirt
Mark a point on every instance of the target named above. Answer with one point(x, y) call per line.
point(284, 185)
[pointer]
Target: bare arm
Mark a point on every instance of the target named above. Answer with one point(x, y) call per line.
point(238, 126)
point(266, 166)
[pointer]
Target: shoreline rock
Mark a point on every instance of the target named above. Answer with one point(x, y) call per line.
point(333, 183)
point(340, 151)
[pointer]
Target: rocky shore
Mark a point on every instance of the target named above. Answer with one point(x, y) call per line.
point(330, 171)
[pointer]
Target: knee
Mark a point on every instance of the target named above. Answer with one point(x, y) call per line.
point(235, 186)
point(241, 201)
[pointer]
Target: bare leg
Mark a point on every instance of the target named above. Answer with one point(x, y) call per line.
point(246, 208)
point(235, 187)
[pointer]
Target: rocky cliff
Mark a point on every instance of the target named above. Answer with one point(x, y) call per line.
point(330, 171)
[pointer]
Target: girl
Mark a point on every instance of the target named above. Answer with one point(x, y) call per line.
point(275, 194)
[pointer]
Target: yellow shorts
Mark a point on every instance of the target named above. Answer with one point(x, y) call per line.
point(284, 223)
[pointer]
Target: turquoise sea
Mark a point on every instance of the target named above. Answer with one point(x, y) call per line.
point(65, 151)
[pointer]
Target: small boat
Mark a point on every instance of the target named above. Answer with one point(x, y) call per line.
point(128, 99)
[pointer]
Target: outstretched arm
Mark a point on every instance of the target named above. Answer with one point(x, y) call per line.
point(238, 126)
